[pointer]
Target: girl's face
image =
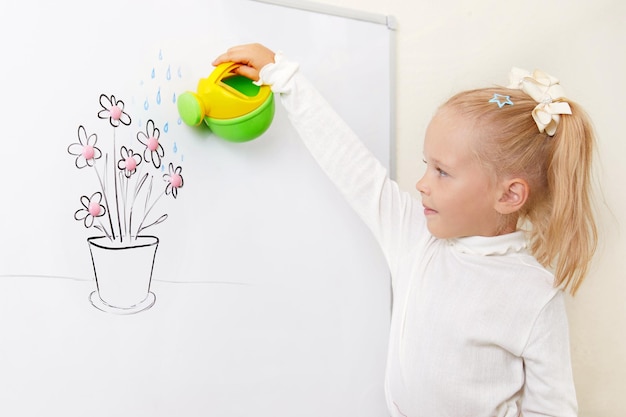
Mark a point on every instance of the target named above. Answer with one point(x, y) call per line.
point(458, 194)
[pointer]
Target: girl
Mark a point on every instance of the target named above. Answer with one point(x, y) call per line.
point(478, 327)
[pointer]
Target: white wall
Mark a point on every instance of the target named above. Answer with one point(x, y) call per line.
point(449, 45)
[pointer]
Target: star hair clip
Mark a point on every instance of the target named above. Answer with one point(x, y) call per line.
point(501, 100)
point(547, 92)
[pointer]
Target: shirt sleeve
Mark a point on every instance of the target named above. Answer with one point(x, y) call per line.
point(549, 387)
point(360, 177)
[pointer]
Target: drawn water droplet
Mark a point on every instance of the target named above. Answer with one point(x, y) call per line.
point(152, 74)
point(166, 127)
point(162, 168)
point(179, 121)
point(174, 98)
point(175, 148)
point(146, 105)
point(158, 96)
point(182, 157)
point(180, 73)
point(160, 55)
point(168, 74)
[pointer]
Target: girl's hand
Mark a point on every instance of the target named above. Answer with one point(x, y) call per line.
point(252, 58)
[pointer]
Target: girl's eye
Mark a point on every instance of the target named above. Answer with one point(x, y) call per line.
point(440, 171)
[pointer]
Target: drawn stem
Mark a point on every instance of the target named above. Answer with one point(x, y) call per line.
point(124, 189)
point(141, 179)
point(106, 200)
point(130, 222)
point(117, 200)
point(104, 229)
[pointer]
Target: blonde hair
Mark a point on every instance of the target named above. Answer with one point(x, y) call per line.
point(563, 233)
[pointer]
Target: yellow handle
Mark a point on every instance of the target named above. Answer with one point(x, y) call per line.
point(226, 94)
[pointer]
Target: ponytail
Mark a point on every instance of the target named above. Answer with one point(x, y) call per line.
point(570, 237)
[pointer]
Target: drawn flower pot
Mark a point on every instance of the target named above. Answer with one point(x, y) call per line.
point(122, 208)
point(123, 272)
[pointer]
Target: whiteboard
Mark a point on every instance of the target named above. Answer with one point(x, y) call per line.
point(258, 247)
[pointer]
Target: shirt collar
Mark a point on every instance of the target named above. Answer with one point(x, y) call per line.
point(490, 245)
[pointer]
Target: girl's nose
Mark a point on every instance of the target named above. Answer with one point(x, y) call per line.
point(421, 186)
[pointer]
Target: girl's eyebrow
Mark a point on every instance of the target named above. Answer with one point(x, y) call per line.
point(440, 163)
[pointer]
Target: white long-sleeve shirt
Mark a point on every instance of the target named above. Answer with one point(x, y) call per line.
point(477, 328)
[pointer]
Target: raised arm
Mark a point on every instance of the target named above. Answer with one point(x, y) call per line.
point(361, 178)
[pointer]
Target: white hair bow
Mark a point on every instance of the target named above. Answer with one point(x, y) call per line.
point(544, 89)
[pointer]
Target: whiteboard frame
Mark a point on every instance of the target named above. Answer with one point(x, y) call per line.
point(330, 9)
point(391, 24)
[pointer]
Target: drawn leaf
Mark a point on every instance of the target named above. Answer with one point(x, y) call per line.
point(140, 184)
point(157, 221)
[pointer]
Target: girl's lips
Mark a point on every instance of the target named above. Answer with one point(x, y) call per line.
point(428, 211)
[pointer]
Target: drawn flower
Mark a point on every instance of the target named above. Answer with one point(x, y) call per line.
point(91, 209)
point(150, 139)
point(85, 150)
point(129, 161)
point(174, 180)
point(113, 110)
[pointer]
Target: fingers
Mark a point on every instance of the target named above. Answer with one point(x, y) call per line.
point(253, 57)
point(231, 55)
point(244, 69)
point(248, 72)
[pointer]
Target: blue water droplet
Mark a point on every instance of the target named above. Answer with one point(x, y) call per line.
point(182, 157)
point(153, 74)
point(179, 121)
point(175, 149)
point(180, 73)
point(174, 98)
point(168, 74)
point(146, 105)
point(162, 168)
point(166, 127)
point(158, 96)
point(160, 55)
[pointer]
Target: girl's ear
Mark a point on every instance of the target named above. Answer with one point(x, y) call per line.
point(514, 195)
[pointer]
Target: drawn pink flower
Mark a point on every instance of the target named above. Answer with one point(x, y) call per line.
point(129, 161)
point(174, 180)
point(113, 110)
point(91, 209)
point(150, 139)
point(85, 150)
